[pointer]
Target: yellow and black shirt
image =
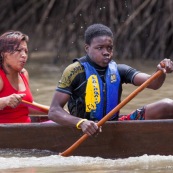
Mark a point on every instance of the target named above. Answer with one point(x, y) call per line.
point(73, 82)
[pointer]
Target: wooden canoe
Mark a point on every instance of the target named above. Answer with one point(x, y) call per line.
point(117, 140)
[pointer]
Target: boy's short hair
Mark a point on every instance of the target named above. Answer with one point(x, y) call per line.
point(96, 30)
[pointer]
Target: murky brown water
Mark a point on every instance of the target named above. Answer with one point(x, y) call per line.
point(43, 80)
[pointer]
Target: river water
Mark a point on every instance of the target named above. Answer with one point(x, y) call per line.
point(39, 162)
point(43, 80)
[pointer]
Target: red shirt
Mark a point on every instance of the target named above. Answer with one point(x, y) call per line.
point(20, 113)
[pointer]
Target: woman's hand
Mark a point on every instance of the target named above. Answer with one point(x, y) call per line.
point(13, 100)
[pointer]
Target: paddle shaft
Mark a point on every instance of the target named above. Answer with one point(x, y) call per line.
point(36, 106)
point(69, 151)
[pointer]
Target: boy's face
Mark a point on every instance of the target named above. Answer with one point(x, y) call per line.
point(100, 50)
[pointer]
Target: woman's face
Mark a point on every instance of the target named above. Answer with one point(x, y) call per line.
point(16, 60)
point(100, 50)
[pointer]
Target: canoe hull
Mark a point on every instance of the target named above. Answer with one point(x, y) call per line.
point(117, 139)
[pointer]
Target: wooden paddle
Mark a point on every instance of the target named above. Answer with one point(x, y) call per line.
point(69, 151)
point(36, 106)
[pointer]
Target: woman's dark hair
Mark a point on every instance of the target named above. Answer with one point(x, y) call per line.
point(96, 30)
point(9, 42)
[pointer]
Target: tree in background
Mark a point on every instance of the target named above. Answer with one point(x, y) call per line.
point(143, 29)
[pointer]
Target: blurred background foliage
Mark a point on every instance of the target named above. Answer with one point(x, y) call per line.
point(143, 29)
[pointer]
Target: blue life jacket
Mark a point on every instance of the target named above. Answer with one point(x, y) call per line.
point(107, 94)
